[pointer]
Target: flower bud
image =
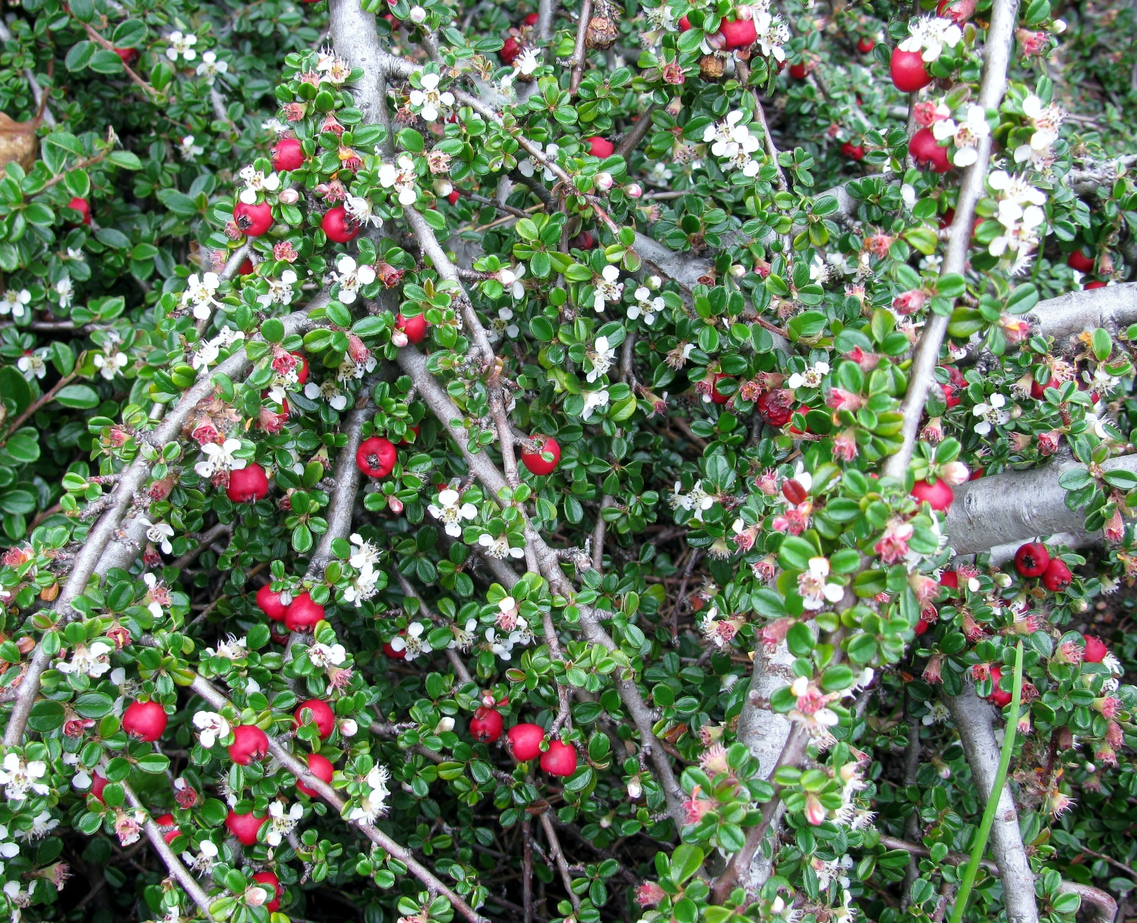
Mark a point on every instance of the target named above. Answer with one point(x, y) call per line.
point(955, 473)
point(348, 727)
point(394, 504)
point(418, 14)
point(634, 190)
point(289, 196)
point(604, 181)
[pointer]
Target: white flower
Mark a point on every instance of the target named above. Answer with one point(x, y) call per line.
point(930, 35)
point(275, 125)
point(211, 726)
point(210, 67)
point(329, 391)
point(526, 62)
point(373, 801)
point(109, 366)
point(810, 378)
point(992, 414)
point(773, 33)
point(502, 325)
point(502, 645)
point(200, 292)
point(160, 534)
point(594, 400)
point(1046, 120)
point(256, 181)
point(65, 291)
point(601, 356)
point(609, 288)
point(364, 552)
point(205, 356)
point(544, 156)
point(205, 859)
point(361, 211)
point(188, 149)
point(966, 134)
point(18, 777)
point(724, 137)
point(33, 365)
point(279, 290)
point(281, 822)
point(499, 547)
point(452, 511)
point(327, 655)
point(517, 287)
point(813, 587)
point(42, 824)
point(181, 45)
point(219, 458)
point(646, 306)
point(8, 849)
point(428, 100)
point(232, 648)
point(938, 713)
point(401, 177)
point(463, 637)
point(87, 660)
point(15, 302)
point(351, 278)
point(363, 586)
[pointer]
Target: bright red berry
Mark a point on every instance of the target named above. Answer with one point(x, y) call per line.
point(525, 741)
point(865, 44)
point(248, 484)
point(338, 226)
point(246, 268)
point(937, 493)
point(794, 492)
point(270, 603)
point(998, 696)
point(287, 155)
point(245, 826)
point(1038, 390)
point(853, 151)
point(253, 220)
point(799, 71)
point(272, 905)
point(376, 456)
point(775, 407)
point(1057, 576)
point(1032, 559)
point(950, 579)
point(738, 33)
point(301, 369)
point(145, 720)
point(303, 614)
point(249, 744)
point(392, 653)
point(1079, 261)
point(321, 767)
point(167, 820)
point(127, 55)
point(530, 20)
point(1096, 650)
point(83, 207)
point(600, 147)
point(717, 396)
point(1097, 283)
point(927, 153)
point(510, 50)
point(535, 461)
point(908, 71)
point(454, 196)
point(559, 759)
point(486, 725)
point(98, 783)
point(413, 327)
point(322, 716)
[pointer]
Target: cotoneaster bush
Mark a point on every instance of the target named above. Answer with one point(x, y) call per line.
point(507, 463)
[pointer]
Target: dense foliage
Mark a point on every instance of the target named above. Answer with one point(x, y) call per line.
point(492, 462)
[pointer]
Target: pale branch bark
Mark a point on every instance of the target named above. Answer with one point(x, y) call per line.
point(1104, 906)
point(218, 700)
point(347, 477)
point(546, 10)
point(235, 261)
point(1018, 505)
point(178, 871)
point(579, 52)
point(1113, 308)
point(975, 721)
point(97, 554)
point(1094, 176)
point(598, 532)
point(356, 39)
point(997, 54)
point(204, 540)
point(559, 859)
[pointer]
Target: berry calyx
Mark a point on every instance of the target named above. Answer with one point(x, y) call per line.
point(908, 71)
point(1057, 576)
point(253, 220)
point(272, 905)
point(167, 820)
point(1032, 559)
point(927, 153)
point(486, 725)
point(270, 603)
point(245, 826)
point(321, 767)
point(145, 720)
point(937, 493)
point(559, 759)
point(303, 614)
point(413, 327)
point(247, 485)
point(1095, 652)
point(525, 741)
point(338, 226)
point(536, 462)
point(250, 744)
point(376, 456)
point(998, 696)
point(321, 715)
point(287, 155)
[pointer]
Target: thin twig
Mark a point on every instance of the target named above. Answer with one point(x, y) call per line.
point(576, 62)
point(559, 859)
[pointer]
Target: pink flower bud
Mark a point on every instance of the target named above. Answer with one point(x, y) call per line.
point(289, 196)
point(399, 338)
point(909, 302)
point(604, 181)
point(418, 14)
point(814, 810)
point(634, 190)
point(394, 504)
point(955, 473)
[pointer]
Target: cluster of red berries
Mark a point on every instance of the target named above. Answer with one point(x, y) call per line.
point(524, 742)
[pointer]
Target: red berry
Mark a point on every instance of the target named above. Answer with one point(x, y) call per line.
point(1079, 261)
point(684, 23)
point(303, 614)
point(98, 783)
point(245, 826)
point(600, 147)
point(127, 55)
point(249, 744)
point(774, 407)
point(486, 725)
point(525, 741)
point(301, 369)
point(454, 196)
point(584, 240)
point(167, 820)
point(1037, 389)
point(1057, 576)
point(322, 716)
point(145, 720)
point(1096, 651)
point(321, 767)
point(908, 71)
point(951, 396)
point(927, 153)
point(799, 71)
point(803, 410)
point(389, 650)
point(287, 155)
point(717, 396)
point(416, 429)
point(248, 484)
point(272, 905)
point(1032, 559)
point(1097, 283)
point(413, 327)
point(865, 45)
point(853, 151)
point(793, 491)
point(559, 759)
point(270, 603)
point(253, 220)
point(376, 456)
point(510, 50)
point(922, 626)
point(82, 206)
point(246, 268)
point(530, 20)
point(338, 226)
point(536, 463)
point(998, 696)
point(950, 579)
point(937, 493)
point(738, 33)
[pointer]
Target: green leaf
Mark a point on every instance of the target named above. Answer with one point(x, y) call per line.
point(79, 397)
